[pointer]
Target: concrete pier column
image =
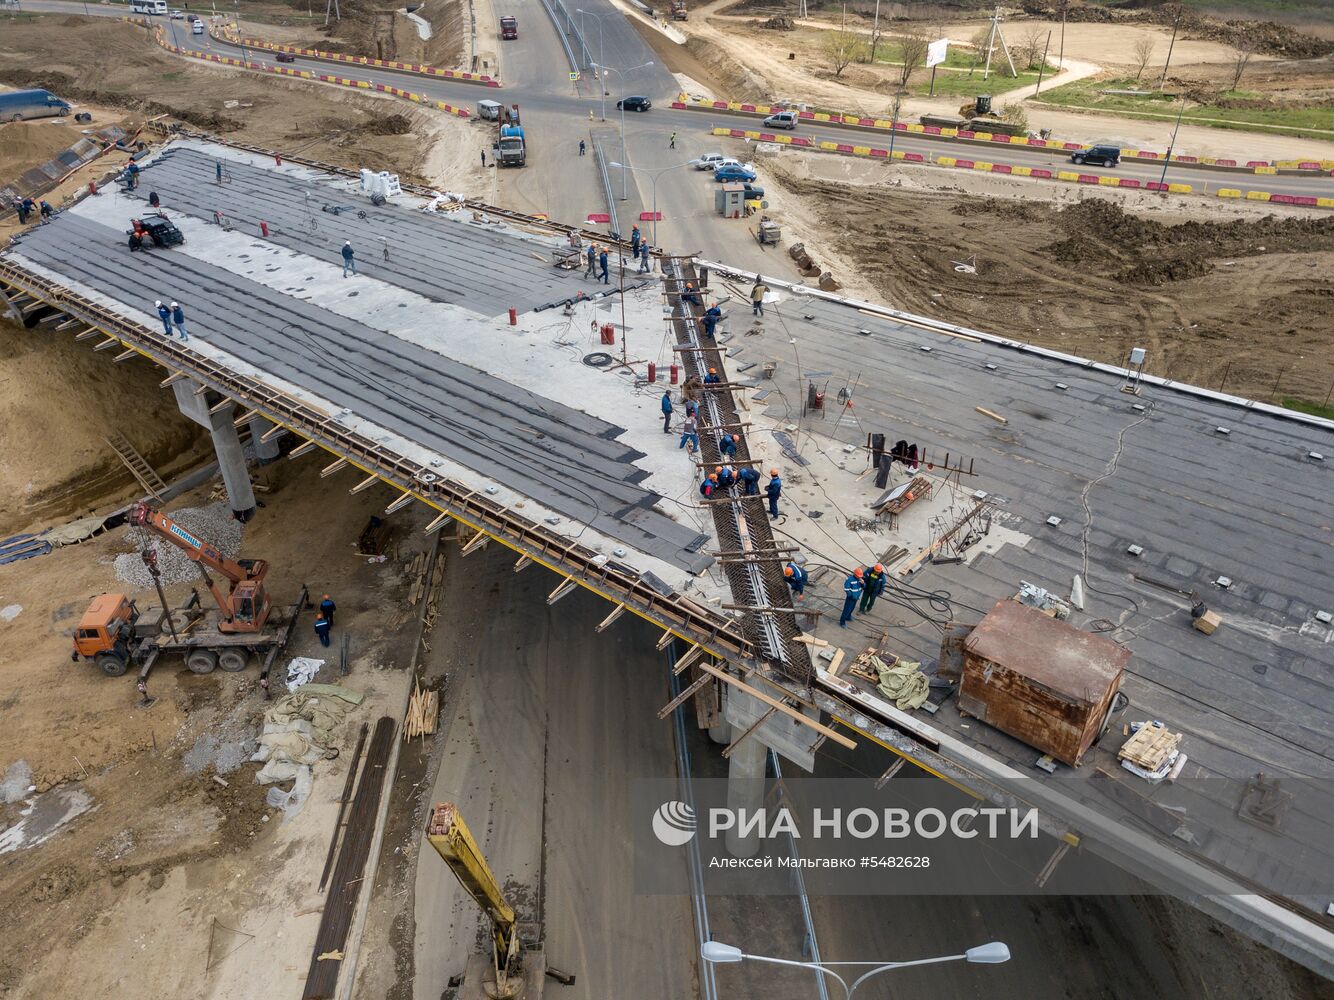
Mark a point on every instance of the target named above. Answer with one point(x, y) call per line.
point(265, 451)
point(226, 444)
point(745, 792)
point(721, 732)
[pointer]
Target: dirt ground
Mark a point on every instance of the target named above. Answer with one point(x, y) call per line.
point(367, 29)
point(166, 874)
point(1238, 299)
point(68, 55)
point(43, 374)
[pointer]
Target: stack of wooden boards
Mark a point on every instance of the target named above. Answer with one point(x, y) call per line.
point(1151, 752)
point(423, 711)
point(417, 570)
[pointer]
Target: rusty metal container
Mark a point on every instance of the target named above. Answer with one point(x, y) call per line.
point(1040, 680)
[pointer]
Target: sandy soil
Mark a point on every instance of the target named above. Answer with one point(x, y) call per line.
point(66, 399)
point(67, 54)
point(161, 854)
point(1217, 296)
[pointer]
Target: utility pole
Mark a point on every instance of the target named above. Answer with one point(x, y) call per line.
point(1172, 145)
point(1176, 21)
point(1043, 67)
point(1060, 62)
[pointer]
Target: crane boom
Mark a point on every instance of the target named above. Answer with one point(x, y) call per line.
point(245, 604)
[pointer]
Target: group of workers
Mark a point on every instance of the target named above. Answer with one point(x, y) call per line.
point(172, 315)
point(861, 587)
point(25, 207)
point(324, 619)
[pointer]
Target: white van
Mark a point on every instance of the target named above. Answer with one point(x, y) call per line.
point(197, 27)
point(148, 7)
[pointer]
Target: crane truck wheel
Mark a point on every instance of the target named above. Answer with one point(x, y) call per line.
point(201, 661)
point(111, 665)
point(233, 660)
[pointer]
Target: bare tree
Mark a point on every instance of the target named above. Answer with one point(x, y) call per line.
point(914, 55)
point(1241, 57)
point(1143, 53)
point(842, 48)
point(1029, 50)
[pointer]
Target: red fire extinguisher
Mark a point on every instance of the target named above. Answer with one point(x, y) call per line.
point(675, 374)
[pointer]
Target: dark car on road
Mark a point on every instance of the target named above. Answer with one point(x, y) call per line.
point(1106, 156)
point(634, 104)
point(285, 57)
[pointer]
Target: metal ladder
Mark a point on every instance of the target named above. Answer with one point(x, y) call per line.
point(148, 478)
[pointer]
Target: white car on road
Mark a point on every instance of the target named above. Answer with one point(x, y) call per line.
point(708, 161)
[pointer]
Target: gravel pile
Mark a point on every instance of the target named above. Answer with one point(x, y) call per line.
point(214, 524)
point(223, 755)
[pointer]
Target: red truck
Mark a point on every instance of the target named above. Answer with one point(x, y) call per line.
point(509, 28)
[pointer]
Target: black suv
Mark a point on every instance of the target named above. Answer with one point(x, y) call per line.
point(634, 104)
point(1107, 156)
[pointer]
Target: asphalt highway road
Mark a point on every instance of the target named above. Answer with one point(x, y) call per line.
point(535, 72)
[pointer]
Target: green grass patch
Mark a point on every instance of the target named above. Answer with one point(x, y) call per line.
point(965, 85)
point(1305, 406)
point(1314, 123)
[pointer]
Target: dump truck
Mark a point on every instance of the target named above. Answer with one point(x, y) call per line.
point(679, 12)
point(509, 28)
point(114, 633)
point(511, 148)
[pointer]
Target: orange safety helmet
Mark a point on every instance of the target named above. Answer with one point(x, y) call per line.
point(736, 437)
point(718, 468)
point(879, 568)
point(713, 476)
point(787, 570)
point(857, 572)
point(773, 472)
point(713, 371)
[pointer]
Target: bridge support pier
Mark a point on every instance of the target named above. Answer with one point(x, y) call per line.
point(265, 451)
point(745, 792)
point(226, 444)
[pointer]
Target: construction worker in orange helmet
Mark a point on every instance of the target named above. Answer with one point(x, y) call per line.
point(873, 585)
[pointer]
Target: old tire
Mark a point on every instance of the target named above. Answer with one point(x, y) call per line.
point(111, 665)
point(233, 660)
point(201, 661)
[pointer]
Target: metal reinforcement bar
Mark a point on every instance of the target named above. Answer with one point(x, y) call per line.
point(346, 884)
point(613, 581)
point(754, 585)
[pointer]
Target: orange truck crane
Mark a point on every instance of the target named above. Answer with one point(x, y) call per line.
point(114, 633)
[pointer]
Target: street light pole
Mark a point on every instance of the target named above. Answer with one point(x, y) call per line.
point(985, 954)
point(656, 174)
point(625, 178)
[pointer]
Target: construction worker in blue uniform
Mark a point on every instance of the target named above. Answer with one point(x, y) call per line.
point(690, 295)
point(749, 478)
point(710, 486)
point(711, 317)
point(726, 476)
point(327, 609)
point(712, 378)
point(634, 241)
point(873, 585)
point(796, 579)
point(322, 629)
point(592, 255)
point(852, 592)
point(602, 263)
point(773, 490)
point(644, 260)
point(727, 445)
point(667, 411)
point(164, 314)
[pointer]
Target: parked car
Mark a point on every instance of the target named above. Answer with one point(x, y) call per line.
point(634, 104)
point(783, 119)
point(708, 161)
point(734, 173)
point(753, 192)
point(287, 57)
point(1107, 156)
point(20, 104)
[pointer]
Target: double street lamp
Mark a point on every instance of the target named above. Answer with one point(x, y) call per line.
point(623, 167)
point(984, 954)
point(625, 187)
